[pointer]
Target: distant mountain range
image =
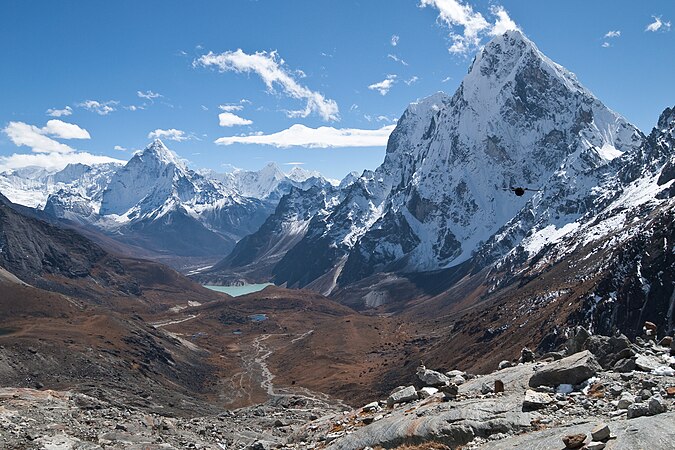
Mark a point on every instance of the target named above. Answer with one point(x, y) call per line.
point(156, 203)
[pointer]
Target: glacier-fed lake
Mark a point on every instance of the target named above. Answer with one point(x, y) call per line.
point(236, 291)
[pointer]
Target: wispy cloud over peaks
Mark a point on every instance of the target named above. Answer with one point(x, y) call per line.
point(455, 14)
point(272, 70)
point(323, 137)
point(394, 40)
point(613, 34)
point(228, 119)
point(23, 134)
point(397, 59)
point(148, 95)
point(100, 108)
point(412, 80)
point(41, 140)
point(60, 112)
point(658, 24)
point(385, 85)
point(171, 134)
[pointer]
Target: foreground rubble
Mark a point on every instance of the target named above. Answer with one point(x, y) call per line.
point(583, 398)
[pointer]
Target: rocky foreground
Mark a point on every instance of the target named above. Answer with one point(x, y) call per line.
point(599, 392)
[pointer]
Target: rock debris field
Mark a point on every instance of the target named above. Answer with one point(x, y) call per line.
point(599, 392)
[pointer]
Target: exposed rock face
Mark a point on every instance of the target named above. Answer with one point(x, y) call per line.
point(571, 370)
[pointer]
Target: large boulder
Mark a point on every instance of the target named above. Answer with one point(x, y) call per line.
point(575, 343)
point(571, 370)
point(407, 394)
point(608, 350)
point(431, 377)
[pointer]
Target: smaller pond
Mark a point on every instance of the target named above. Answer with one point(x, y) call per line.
point(236, 291)
point(258, 317)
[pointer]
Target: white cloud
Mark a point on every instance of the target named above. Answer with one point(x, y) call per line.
point(606, 44)
point(383, 86)
point(270, 67)
point(60, 112)
point(397, 59)
point(394, 40)
point(657, 25)
point(228, 119)
point(446, 79)
point(503, 23)
point(119, 148)
point(412, 80)
point(474, 26)
point(101, 108)
point(64, 130)
point(294, 163)
point(171, 134)
point(148, 95)
point(230, 108)
point(52, 161)
point(323, 137)
point(134, 107)
point(204, 108)
point(31, 136)
point(39, 140)
point(613, 34)
point(47, 152)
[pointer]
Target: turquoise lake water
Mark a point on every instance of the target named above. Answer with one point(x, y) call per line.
point(236, 291)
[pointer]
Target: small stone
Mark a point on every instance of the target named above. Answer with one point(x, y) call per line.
point(451, 390)
point(278, 423)
point(499, 386)
point(600, 432)
point(649, 383)
point(644, 394)
point(574, 440)
point(485, 388)
point(370, 407)
point(526, 355)
point(637, 410)
point(427, 392)
point(597, 390)
point(656, 405)
point(535, 400)
point(454, 373)
point(625, 401)
point(624, 365)
point(458, 380)
point(504, 364)
point(615, 390)
point(121, 427)
point(651, 326)
point(670, 391)
point(646, 363)
point(593, 445)
point(666, 341)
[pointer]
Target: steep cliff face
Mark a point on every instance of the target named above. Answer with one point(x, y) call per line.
point(444, 189)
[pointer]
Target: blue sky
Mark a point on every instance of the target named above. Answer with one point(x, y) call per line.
point(321, 82)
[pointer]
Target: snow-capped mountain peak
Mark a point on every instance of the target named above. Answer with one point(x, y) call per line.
point(161, 153)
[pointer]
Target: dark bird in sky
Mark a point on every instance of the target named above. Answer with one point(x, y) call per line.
point(520, 191)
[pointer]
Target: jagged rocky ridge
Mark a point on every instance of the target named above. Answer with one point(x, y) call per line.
point(441, 198)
